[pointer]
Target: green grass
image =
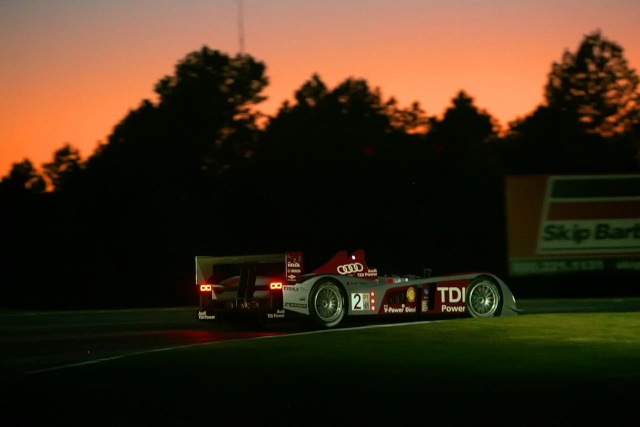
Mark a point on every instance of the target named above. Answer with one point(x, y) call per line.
point(602, 345)
point(559, 368)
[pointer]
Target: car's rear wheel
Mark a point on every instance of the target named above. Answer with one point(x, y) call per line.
point(327, 303)
point(483, 298)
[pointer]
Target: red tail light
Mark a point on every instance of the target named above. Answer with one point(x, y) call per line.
point(275, 285)
point(205, 288)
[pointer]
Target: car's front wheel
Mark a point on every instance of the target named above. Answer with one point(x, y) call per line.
point(327, 303)
point(483, 298)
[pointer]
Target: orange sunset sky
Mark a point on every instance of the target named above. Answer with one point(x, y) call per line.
point(72, 69)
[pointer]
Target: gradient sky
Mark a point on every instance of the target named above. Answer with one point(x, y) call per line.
point(72, 69)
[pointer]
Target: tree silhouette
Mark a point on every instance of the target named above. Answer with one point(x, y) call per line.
point(343, 128)
point(340, 151)
point(22, 177)
point(66, 164)
point(332, 128)
point(589, 121)
point(204, 119)
point(24, 211)
point(466, 185)
point(210, 100)
point(595, 88)
point(191, 172)
point(157, 186)
point(411, 120)
point(463, 127)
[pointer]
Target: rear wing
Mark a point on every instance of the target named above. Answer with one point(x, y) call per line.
point(288, 264)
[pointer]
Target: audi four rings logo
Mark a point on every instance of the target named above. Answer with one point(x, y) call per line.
point(355, 267)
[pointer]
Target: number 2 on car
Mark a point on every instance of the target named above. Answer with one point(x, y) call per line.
point(360, 301)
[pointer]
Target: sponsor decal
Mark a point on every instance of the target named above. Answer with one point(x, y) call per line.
point(455, 309)
point(361, 301)
point(354, 267)
point(628, 265)
point(295, 304)
point(579, 236)
point(291, 288)
point(395, 310)
point(411, 294)
point(372, 272)
point(590, 214)
point(357, 269)
point(559, 266)
point(425, 299)
point(202, 315)
point(293, 266)
point(279, 314)
point(572, 223)
point(555, 266)
point(451, 294)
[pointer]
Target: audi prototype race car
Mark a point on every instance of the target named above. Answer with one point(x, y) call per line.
point(274, 286)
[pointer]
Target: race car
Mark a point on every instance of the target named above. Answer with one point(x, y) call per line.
point(274, 286)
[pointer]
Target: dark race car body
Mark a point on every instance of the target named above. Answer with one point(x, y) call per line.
point(270, 287)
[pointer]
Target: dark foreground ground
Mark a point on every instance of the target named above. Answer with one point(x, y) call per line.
point(324, 395)
point(540, 369)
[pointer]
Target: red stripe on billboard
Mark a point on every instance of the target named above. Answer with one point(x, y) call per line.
point(593, 210)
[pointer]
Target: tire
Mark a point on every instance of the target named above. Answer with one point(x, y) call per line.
point(484, 298)
point(327, 305)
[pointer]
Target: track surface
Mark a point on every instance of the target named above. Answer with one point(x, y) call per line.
point(32, 342)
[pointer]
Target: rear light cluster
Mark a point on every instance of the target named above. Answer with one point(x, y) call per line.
point(272, 285)
point(275, 285)
point(372, 301)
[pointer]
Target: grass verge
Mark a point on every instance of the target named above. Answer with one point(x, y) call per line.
point(559, 369)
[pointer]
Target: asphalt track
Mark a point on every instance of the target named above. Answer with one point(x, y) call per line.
point(32, 342)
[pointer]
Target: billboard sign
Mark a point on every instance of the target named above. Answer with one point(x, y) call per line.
point(563, 224)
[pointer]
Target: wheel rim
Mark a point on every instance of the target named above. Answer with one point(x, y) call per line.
point(328, 303)
point(483, 299)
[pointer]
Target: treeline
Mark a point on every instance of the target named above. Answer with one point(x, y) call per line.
point(201, 171)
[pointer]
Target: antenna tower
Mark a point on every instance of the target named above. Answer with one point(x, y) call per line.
point(241, 27)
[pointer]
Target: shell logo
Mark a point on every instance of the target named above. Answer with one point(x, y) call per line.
point(411, 294)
